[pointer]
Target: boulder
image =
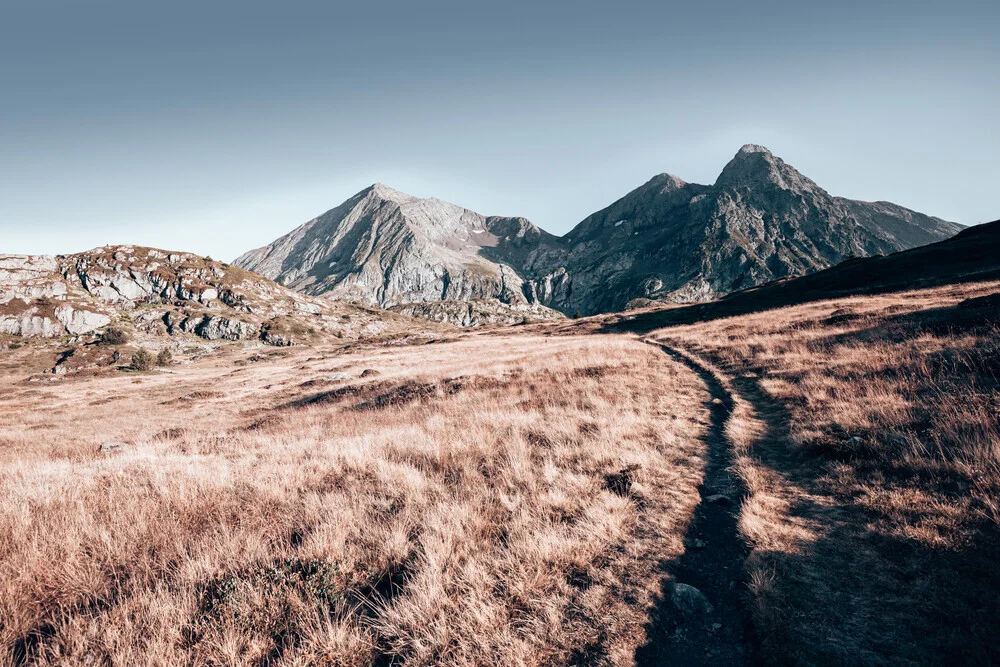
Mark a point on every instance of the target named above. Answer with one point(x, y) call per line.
point(80, 321)
point(221, 328)
point(277, 338)
point(689, 600)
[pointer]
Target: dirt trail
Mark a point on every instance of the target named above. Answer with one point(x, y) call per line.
point(712, 561)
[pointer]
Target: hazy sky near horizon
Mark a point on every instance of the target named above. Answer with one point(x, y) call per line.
point(217, 126)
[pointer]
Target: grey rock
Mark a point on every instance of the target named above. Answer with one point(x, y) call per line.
point(689, 600)
point(112, 446)
point(478, 312)
point(276, 338)
point(222, 328)
point(80, 321)
point(30, 324)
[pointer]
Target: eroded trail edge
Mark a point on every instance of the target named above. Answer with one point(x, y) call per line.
point(701, 617)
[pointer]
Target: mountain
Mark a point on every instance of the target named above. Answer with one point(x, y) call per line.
point(761, 220)
point(152, 292)
point(385, 248)
point(667, 240)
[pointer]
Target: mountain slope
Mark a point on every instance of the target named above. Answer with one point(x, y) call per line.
point(973, 255)
point(386, 248)
point(667, 240)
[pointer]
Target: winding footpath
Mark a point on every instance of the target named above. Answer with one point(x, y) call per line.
point(701, 618)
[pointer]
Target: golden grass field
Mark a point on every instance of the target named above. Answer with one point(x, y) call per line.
point(515, 496)
point(498, 499)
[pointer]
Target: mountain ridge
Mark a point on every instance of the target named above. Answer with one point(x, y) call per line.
point(667, 239)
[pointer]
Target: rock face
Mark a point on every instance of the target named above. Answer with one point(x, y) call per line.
point(667, 240)
point(158, 292)
point(80, 321)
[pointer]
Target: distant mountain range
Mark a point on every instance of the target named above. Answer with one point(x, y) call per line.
point(668, 240)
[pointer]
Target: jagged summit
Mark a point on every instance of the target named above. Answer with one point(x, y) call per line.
point(664, 182)
point(667, 239)
point(753, 148)
point(754, 166)
point(383, 191)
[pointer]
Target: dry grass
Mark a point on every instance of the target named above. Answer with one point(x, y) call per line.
point(868, 440)
point(495, 500)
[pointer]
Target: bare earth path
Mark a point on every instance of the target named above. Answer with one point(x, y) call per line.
point(712, 561)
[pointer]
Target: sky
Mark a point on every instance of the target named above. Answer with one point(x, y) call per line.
point(215, 127)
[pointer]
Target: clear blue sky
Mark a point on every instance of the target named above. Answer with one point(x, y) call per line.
point(217, 126)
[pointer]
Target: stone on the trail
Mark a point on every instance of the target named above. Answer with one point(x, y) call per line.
point(716, 401)
point(369, 372)
point(337, 376)
point(113, 446)
point(689, 600)
point(716, 626)
point(719, 499)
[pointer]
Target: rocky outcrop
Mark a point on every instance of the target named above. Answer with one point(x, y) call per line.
point(80, 321)
point(156, 292)
point(30, 323)
point(668, 240)
point(222, 328)
point(478, 312)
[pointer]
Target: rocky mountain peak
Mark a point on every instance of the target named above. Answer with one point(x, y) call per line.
point(748, 149)
point(383, 191)
point(754, 167)
point(666, 182)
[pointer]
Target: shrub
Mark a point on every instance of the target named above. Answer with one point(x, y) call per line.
point(142, 361)
point(114, 336)
point(164, 358)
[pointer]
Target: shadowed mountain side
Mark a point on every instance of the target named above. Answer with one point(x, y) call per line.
point(972, 255)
